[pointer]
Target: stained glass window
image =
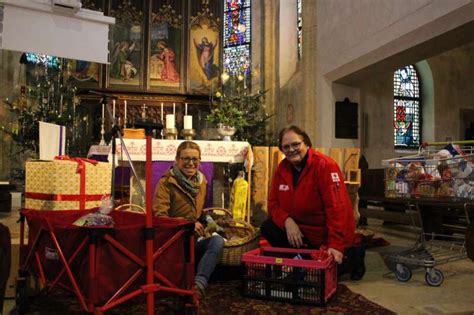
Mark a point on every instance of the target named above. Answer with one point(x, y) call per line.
point(237, 33)
point(299, 27)
point(406, 108)
point(37, 59)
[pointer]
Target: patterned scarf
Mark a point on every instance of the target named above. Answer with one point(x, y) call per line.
point(192, 185)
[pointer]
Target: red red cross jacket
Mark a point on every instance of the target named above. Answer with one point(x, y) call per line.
point(319, 203)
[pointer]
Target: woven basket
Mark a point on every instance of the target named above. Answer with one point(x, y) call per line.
point(131, 207)
point(248, 237)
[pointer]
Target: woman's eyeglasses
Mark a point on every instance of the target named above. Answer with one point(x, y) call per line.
point(294, 146)
point(187, 159)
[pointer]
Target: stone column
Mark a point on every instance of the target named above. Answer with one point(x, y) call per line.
point(269, 66)
point(308, 117)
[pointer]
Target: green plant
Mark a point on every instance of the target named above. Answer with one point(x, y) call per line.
point(228, 114)
point(235, 106)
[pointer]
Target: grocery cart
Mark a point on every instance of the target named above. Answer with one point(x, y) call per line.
point(440, 176)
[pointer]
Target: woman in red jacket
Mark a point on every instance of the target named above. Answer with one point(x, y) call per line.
point(308, 203)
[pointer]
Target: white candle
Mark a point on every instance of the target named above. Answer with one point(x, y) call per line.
point(185, 109)
point(162, 112)
point(103, 112)
point(169, 121)
point(113, 109)
point(125, 110)
point(174, 108)
point(188, 122)
point(222, 199)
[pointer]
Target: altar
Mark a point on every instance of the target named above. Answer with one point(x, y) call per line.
point(163, 156)
point(165, 150)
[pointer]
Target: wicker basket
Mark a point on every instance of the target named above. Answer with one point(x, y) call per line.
point(248, 237)
point(131, 207)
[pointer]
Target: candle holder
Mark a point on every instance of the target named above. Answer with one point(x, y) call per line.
point(102, 133)
point(188, 134)
point(170, 133)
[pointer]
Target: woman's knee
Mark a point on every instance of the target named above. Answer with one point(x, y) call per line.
point(216, 243)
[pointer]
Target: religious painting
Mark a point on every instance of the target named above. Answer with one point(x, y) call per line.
point(165, 53)
point(204, 52)
point(80, 72)
point(126, 44)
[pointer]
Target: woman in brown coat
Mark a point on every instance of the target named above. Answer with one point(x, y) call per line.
point(180, 193)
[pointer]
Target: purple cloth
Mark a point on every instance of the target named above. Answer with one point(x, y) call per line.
point(122, 176)
point(207, 168)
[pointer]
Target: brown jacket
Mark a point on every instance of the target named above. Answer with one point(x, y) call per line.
point(171, 200)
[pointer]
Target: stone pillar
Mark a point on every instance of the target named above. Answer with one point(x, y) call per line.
point(269, 65)
point(308, 119)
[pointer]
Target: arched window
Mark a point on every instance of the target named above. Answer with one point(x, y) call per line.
point(299, 27)
point(237, 33)
point(406, 108)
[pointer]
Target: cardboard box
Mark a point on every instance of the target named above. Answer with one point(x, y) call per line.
point(56, 185)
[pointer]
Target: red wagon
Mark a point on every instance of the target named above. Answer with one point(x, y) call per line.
point(105, 267)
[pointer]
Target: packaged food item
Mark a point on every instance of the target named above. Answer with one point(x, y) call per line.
point(238, 197)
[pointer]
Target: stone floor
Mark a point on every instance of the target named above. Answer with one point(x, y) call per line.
point(379, 285)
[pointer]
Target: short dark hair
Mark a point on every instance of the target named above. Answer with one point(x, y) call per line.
point(296, 130)
point(187, 145)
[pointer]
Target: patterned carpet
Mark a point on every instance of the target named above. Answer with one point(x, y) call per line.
point(221, 298)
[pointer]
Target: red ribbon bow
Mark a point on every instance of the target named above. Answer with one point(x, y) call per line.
point(81, 170)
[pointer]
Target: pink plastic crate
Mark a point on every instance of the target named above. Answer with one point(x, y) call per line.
point(290, 275)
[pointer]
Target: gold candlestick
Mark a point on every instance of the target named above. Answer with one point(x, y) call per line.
point(188, 134)
point(170, 133)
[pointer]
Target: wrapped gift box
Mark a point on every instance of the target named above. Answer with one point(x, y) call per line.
point(66, 184)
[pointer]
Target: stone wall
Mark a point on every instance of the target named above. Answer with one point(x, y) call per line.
point(353, 36)
point(451, 94)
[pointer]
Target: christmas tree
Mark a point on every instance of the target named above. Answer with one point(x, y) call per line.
point(47, 98)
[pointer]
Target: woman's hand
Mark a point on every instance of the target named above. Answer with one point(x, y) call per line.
point(199, 228)
point(293, 233)
point(338, 256)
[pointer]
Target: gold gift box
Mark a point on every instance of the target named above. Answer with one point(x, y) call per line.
point(50, 185)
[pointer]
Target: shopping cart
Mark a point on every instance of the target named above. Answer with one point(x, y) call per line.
point(440, 176)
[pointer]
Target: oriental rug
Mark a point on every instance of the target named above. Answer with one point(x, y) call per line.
point(221, 298)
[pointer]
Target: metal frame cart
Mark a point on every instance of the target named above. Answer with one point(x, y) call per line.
point(439, 177)
point(105, 267)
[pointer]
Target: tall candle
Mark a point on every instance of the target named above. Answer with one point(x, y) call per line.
point(162, 112)
point(186, 109)
point(113, 109)
point(125, 110)
point(188, 122)
point(103, 112)
point(174, 108)
point(169, 121)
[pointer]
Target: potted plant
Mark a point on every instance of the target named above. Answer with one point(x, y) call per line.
point(227, 118)
point(235, 111)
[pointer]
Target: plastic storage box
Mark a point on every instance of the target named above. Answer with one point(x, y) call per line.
point(291, 275)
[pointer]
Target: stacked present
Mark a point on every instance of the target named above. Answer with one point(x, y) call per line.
point(66, 184)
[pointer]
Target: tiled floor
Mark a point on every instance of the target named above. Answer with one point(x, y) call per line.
point(379, 285)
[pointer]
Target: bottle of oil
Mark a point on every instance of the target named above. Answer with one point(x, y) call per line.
point(239, 197)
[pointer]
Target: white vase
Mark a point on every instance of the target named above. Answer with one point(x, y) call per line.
point(226, 131)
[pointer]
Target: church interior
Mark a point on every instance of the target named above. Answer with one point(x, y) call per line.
point(384, 88)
